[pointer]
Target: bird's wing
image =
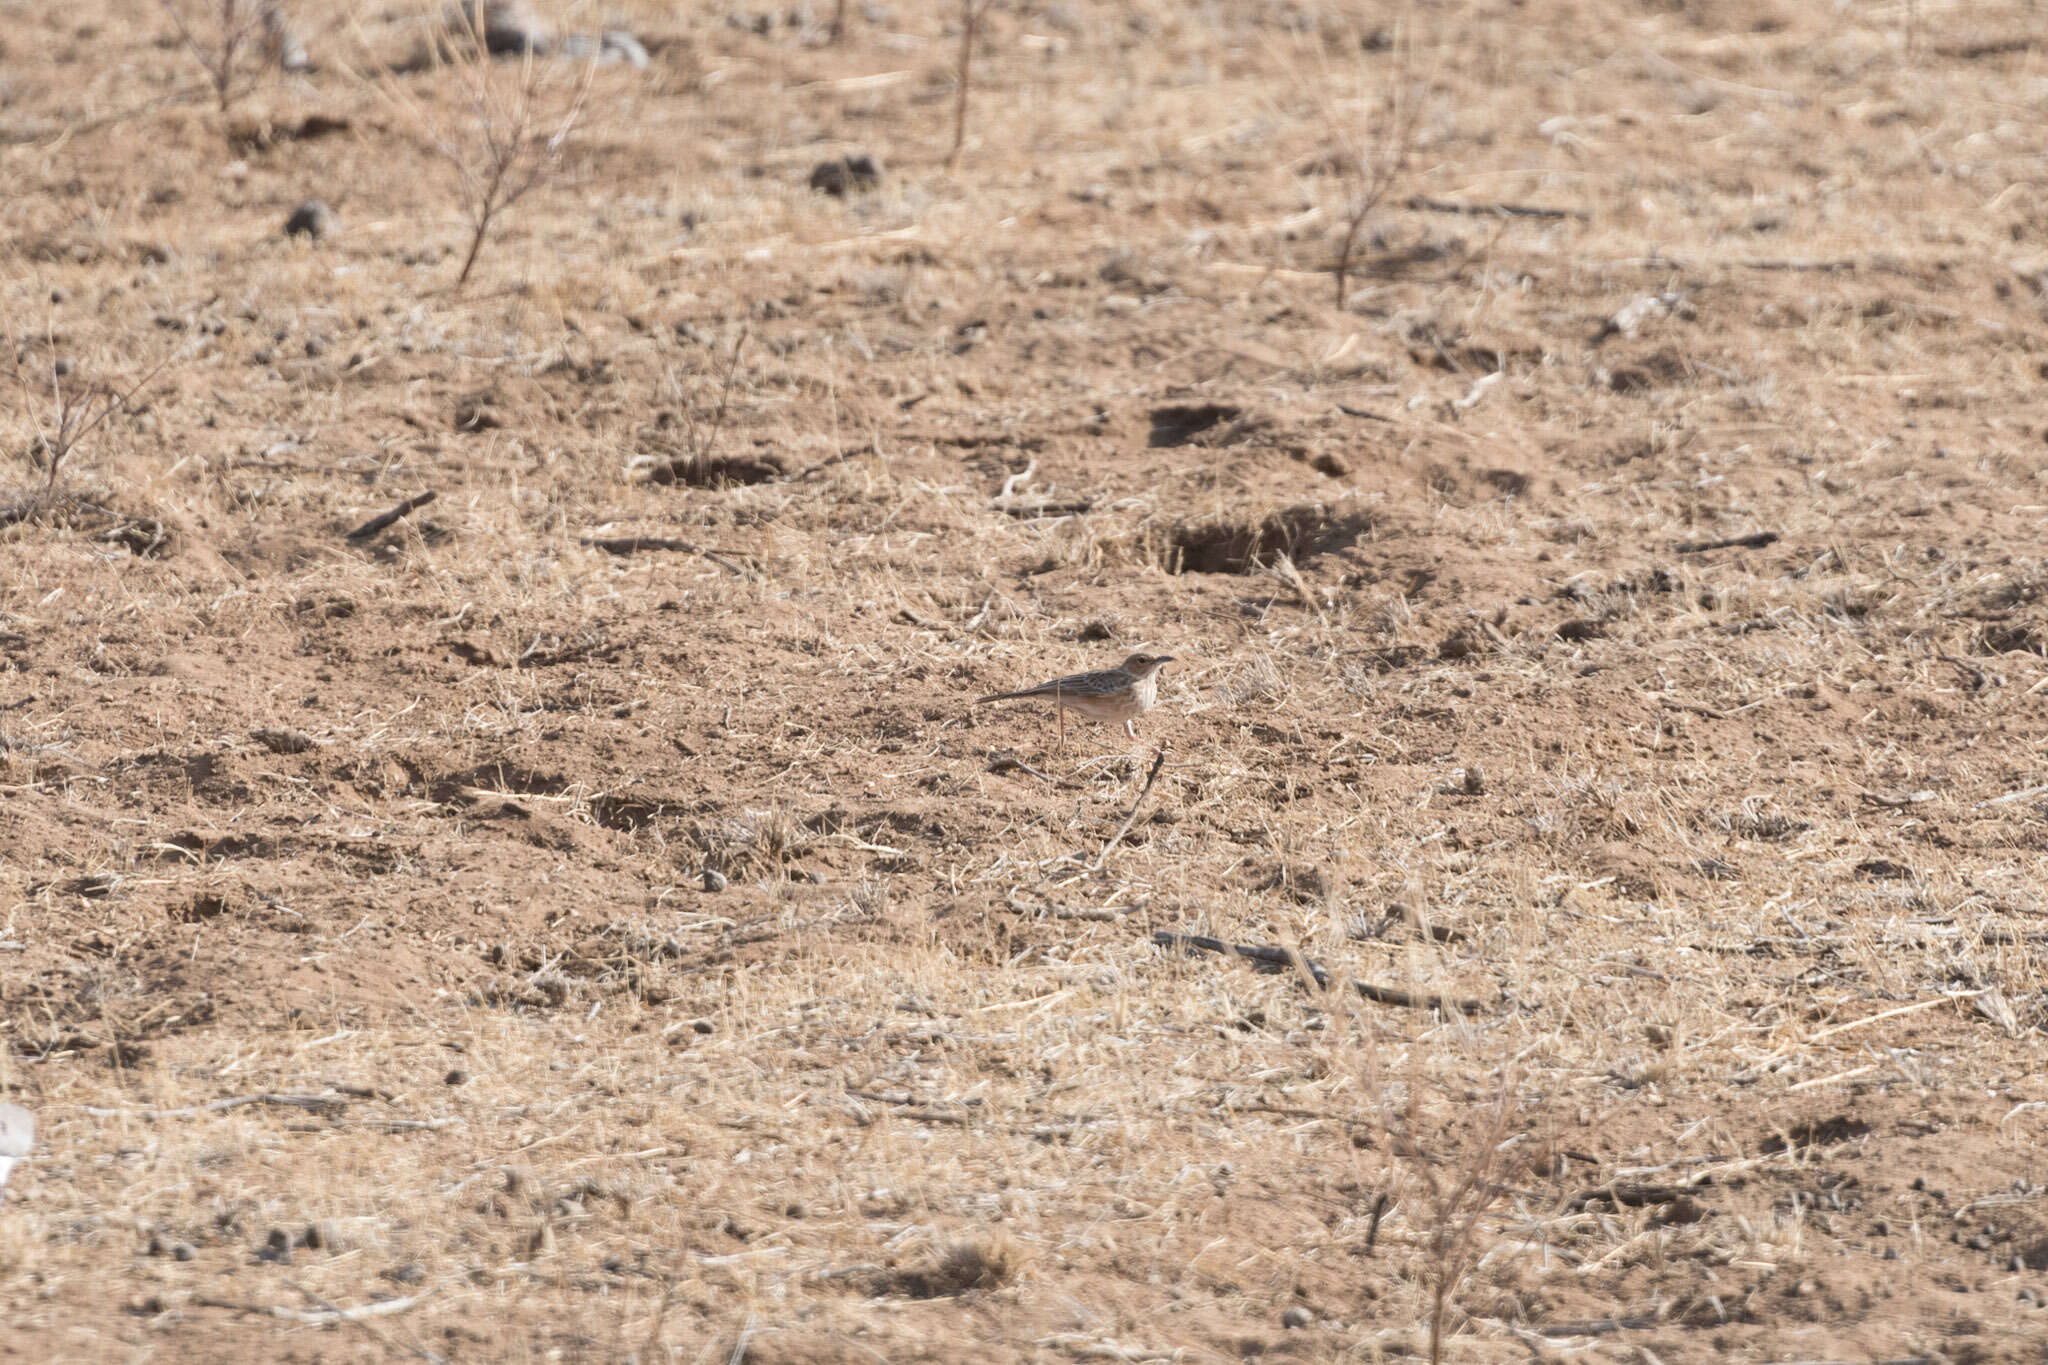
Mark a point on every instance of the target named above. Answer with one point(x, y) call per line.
point(1074, 684)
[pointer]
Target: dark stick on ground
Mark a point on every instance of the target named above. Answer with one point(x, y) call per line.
point(1282, 957)
point(633, 545)
point(1422, 205)
point(384, 519)
point(1007, 762)
point(1372, 1230)
point(1756, 540)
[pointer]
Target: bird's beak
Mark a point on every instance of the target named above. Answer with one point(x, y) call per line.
point(1165, 658)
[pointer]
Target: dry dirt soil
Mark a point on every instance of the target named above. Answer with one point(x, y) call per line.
point(589, 919)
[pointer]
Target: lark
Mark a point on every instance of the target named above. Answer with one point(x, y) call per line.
point(1123, 693)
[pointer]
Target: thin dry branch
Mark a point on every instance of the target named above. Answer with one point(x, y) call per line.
point(633, 545)
point(81, 411)
point(971, 12)
point(1285, 957)
point(318, 1104)
point(384, 519)
point(506, 144)
point(1373, 164)
point(322, 1318)
point(220, 48)
point(1158, 762)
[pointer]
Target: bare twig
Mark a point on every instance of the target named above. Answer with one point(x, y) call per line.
point(322, 1318)
point(971, 12)
point(2021, 795)
point(317, 1104)
point(361, 1318)
point(702, 451)
point(81, 411)
point(1755, 540)
point(633, 545)
point(1493, 210)
point(1594, 1327)
point(507, 145)
point(1283, 957)
point(1372, 165)
point(1456, 1204)
point(219, 49)
point(384, 519)
point(1007, 762)
point(1158, 762)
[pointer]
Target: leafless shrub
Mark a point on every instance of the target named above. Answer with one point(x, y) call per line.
point(511, 123)
point(1444, 1151)
point(222, 41)
point(1371, 153)
point(77, 408)
point(1454, 1197)
point(703, 435)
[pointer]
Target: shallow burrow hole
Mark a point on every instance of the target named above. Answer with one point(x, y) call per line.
point(1178, 425)
point(1247, 545)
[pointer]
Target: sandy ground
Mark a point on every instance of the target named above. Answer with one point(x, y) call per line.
point(1614, 634)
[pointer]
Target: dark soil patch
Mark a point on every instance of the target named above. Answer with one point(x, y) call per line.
point(1177, 425)
point(1221, 545)
point(717, 471)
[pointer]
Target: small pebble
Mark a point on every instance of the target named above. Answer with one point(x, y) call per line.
point(409, 1273)
point(456, 1077)
point(705, 1026)
point(714, 880)
point(1296, 1317)
point(311, 219)
point(184, 1251)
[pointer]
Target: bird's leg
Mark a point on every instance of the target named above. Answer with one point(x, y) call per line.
point(1063, 728)
point(1131, 728)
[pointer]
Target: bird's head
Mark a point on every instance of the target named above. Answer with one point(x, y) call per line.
point(1143, 666)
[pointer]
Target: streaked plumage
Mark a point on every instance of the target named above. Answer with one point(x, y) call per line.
point(1115, 694)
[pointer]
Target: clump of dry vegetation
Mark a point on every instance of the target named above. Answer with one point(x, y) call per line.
point(497, 859)
point(502, 126)
point(226, 38)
